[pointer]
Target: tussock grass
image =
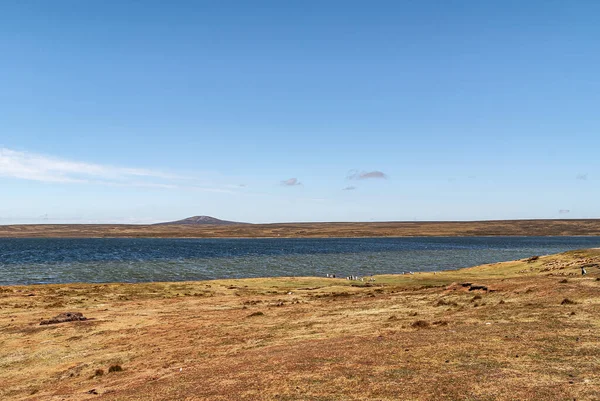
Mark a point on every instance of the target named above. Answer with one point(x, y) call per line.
point(421, 324)
point(115, 368)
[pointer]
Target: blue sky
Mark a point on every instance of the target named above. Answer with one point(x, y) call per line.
point(270, 111)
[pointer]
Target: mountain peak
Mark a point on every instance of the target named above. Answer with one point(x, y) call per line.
point(199, 220)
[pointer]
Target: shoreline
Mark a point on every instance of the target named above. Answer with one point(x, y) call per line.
point(526, 330)
point(399, 265)
point(270, 278)
point(317, 238)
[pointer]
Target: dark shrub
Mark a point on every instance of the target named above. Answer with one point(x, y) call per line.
point(420, 324)
point(115, 368)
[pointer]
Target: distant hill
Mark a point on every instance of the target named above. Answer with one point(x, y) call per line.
point(201, 228)
point(200, 220)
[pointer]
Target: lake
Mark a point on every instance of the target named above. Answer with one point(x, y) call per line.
point(53, 260)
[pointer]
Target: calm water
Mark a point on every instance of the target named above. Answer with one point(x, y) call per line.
point(33, 261)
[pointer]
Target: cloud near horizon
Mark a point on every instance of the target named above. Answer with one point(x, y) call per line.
point(365, 175)
point(582, 176)
point(564, 211)
point(36, 167)
point(291, 182)
point(350, 188)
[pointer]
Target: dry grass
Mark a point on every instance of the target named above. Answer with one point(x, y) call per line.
point(419, 337)
point(313, 230)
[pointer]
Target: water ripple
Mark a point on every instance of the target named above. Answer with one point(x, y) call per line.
point(36, 261)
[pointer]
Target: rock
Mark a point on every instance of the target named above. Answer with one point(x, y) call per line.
point(65, 317)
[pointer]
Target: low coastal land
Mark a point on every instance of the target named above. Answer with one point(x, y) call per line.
point(309, 230)
point(524, 330)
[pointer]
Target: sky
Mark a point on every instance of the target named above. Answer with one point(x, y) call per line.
point(279, 111)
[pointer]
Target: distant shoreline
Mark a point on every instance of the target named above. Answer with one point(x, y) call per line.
point(492, 228)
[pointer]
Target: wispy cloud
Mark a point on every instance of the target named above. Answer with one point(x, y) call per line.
point(290, 182)
point(582, 176)
point(45, 219)
point(42, 168)
point(350, 188)
point(366, 175)
point(564, 211)
point(36, 167)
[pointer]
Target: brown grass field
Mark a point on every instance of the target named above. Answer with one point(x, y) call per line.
point(313, 230)
point(533, 334)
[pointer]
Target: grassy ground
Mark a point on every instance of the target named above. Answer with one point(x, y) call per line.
point(532, 334)
point(313, 230)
